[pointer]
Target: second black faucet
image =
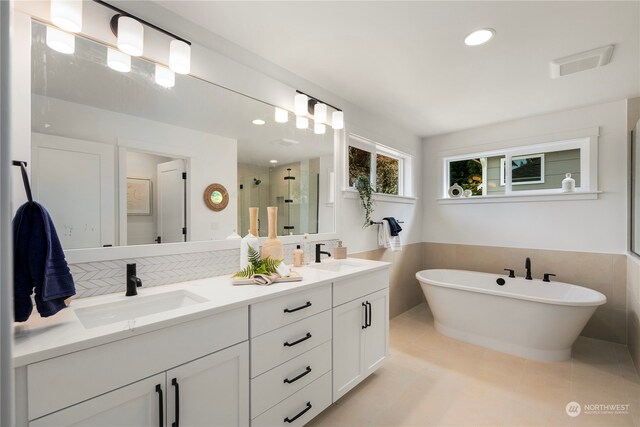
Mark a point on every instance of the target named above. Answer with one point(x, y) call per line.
point(319, 252)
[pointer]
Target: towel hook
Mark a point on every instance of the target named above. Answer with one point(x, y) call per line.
point(25, 178)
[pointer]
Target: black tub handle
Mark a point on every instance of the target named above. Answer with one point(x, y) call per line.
point(293, 380)
point(308, 304)
point(174, 382)
point(291, 344)
point(301, 413)
point(160, 406)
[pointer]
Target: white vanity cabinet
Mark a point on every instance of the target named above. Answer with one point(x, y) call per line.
point(197, 371)
point(360, 329)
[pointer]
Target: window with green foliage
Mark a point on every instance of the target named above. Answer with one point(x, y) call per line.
point(385, 167)
point(467, 174)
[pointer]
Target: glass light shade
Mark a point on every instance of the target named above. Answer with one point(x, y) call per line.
point(319, 128)
point(300, 104)
point(180, 57)
point(130, 36)
point(337, 120)
point(119, 61)
point(67, 14)
point(282, 115)
point(60, 41)
point(302, 122)
point(320, 112)
point(165, 77)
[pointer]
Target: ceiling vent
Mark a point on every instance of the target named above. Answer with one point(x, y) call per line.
point(285, 142)
point(581, 61)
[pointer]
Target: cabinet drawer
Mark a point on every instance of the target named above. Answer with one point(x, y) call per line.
point(276, 347)
point(273, 314)
point(88, 373)
point(305, 405)
point(279, 383)
point(355, 287)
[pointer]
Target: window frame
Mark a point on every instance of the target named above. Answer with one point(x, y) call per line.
point(587, 144)
point(405, 187)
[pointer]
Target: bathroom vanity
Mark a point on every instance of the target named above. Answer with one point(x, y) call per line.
point(207, 352)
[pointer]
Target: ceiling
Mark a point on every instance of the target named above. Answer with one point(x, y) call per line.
point(407, 60)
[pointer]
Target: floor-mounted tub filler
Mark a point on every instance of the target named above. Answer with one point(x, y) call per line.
point(527, 318)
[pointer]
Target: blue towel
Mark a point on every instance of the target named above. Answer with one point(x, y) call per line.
point(39, 264)
point(394, 227)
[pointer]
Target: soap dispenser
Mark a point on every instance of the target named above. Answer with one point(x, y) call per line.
point(340, 252)
point(298, 257)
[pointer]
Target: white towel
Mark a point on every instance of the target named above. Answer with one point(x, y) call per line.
point(386, 240)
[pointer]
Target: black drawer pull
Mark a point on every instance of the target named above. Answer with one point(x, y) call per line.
point(291, 344)
point(293, 380)
point(308, 304)
point(160, 406)
point(366, 310)
point(370, 314)
point(301, 413)
point(174, 382)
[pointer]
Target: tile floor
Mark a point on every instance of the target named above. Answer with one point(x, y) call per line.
point(432, 380)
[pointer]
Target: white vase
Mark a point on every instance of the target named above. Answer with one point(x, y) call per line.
point(248, 240)
point(568, 184)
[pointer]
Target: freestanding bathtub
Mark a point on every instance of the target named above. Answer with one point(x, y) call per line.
point(527, 318)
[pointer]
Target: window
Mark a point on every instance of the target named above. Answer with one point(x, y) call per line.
point(387, 169)
point(535, 170)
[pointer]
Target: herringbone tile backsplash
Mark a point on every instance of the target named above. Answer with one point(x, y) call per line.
point(106, 277)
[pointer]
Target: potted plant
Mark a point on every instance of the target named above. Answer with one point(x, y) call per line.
point(362, 184)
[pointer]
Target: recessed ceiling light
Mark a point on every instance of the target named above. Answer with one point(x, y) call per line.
point(273, 161)
point(479, 37)
point(258, 122)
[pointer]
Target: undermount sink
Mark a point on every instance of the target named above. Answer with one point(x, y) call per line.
point(134, 307)
point(337, 266)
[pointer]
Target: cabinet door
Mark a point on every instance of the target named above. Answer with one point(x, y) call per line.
point(348, 321)
point(138, 404)
point(375, 338)
point(211, 391)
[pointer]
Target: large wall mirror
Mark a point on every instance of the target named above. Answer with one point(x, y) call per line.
point(119, 159)
point(635, 189)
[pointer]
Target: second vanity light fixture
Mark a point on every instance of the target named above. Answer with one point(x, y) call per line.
point(129, 30)
point(304, 104)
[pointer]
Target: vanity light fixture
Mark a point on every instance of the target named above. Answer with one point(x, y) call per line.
point(304, 103)
point(282, 115)
point(165, 77)
point(180, 57)
point(479, 37)
point(302, 122)
point(130, 35)
point(258, 122)
point(67, 14)
point(319, 128)
point(60, 41)
point(118, 61)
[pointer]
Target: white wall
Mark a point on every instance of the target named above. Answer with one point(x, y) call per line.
point(578, 225)
point(211, 158)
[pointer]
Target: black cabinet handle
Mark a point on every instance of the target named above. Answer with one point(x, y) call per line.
point(365, 316)
point(293, 380)
point(291, 344)
point(160, 406)
point(174, 382)
point(301, 413)
point(370, 314)
point(308, 304)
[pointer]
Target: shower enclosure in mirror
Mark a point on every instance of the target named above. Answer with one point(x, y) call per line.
point(119, 159)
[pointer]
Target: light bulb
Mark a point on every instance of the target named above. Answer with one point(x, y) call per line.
point(165, 77)
point(67, 14)
point(319, 128)
point(337, 120)
point(180, 57)
point(320, 113)
point(130, 36)
point(301, 102)
point(60, 41)
point(119, 61)
point(302, 122)
point(282, 115)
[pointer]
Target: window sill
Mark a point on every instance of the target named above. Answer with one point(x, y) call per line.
point(379, 197)
point(551, 197)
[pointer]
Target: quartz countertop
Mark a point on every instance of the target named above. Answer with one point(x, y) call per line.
point(43, 338)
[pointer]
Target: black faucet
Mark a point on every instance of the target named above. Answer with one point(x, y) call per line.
point(133, 281)
point(527, 265)
point(319, 252)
